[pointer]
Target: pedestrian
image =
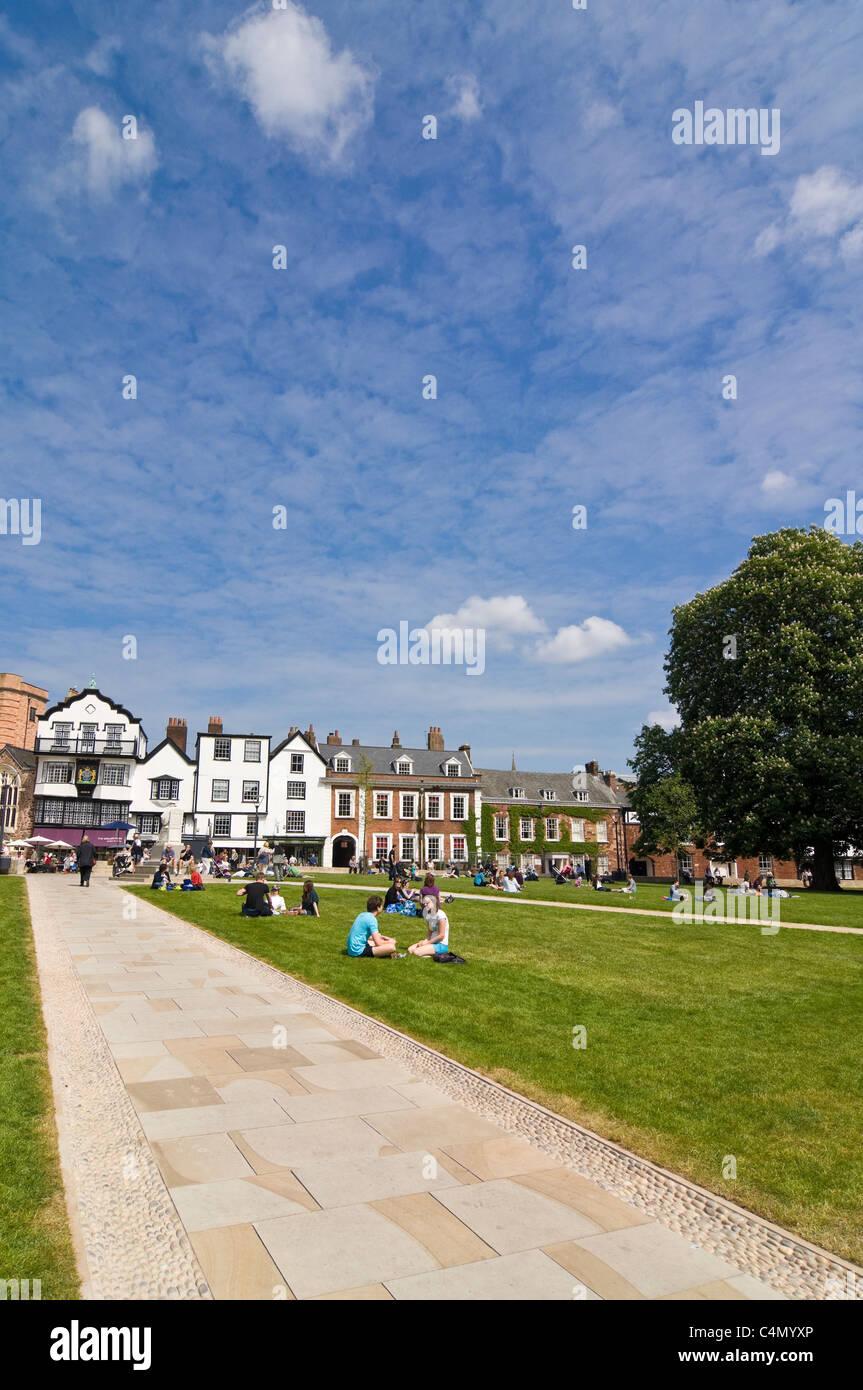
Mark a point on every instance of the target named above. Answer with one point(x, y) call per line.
point(137, 849)
point(86, 860)
point(280, 860)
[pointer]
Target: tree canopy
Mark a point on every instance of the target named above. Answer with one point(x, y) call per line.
point(766, 672)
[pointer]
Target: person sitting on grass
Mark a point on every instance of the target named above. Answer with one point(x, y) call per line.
point(308, 903)
point(599, 886)
point(277, 902)
point(674, 894)
point(510, 883)
point(436, 941)
point(364, 939)
point(630, 886)
point(257, 898)
point(161, 878)
point(194, 883)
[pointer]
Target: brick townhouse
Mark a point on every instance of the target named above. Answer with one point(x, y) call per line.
point(543, 820)
point(423, 802)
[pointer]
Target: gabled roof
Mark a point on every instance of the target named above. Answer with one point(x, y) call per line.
point(24, 757)
point(91, 694)
point(427, 762)
point(159, 746)
point(496, 787)
point(290, 739)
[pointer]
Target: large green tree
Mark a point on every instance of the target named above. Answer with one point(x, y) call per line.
point(766, 672)
point(666, 805)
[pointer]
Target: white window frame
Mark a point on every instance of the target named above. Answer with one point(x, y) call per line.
point(439, 839)
point(381, 835)
point(517, 793)
point(602, 865)
point(403, 767)
point(440, 799)
point(342, 758)
point(602, 832)
point(684, 862)
point(765, 863)
point(499, 816)
point(580, 796)
point(293, 795)
point(115, 767)
point(458, 796)
point(222, 815)
point(408, 815)
point(547, 794)
point(555, 821)
point(298, 764)
point(65, 781)
point(576, 829)
point(252, 798)
point(531, 824)
point(452, 769)
point(295, 830)
point(389, 805)
point(340, 792)
point(405, 853)
point(458, 858)
point(251, 743)
point(220, 800)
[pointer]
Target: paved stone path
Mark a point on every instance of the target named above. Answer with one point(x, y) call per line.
point(227, 1132)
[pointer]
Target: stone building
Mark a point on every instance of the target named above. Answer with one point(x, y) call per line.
point(21, 707)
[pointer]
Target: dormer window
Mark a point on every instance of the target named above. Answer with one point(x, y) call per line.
point(547, 794)
point(404, 767)
point(517, 793)
point(342, 764)
point(452, 769)
point(581, 796)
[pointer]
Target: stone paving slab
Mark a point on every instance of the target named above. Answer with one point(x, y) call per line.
point(203, 1160)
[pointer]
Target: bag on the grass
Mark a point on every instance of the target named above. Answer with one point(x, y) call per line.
point(449, 958)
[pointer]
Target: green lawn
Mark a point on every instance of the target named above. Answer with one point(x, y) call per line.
point(828, 909)
point(34, 1232)
point(702, 1041)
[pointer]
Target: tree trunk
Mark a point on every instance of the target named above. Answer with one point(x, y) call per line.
point(823, 867)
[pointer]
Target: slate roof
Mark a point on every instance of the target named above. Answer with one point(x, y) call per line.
point(427, 762)
point(496, 785)
point(24, 757)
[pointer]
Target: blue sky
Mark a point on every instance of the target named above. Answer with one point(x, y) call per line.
point(406, 257)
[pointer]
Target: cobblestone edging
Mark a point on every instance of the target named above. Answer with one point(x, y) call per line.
point(786, 1262)
point(123, 1220)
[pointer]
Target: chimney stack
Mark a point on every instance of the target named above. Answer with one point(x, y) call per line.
point(465, 748)
point(396, 743)
point(435, 739)
point(215, 724)
point(70, 692)
point(310, 735)
point(176, 732)
point(610, 780)
point(592, 768)
point(292, 730)
point(334, 737)
point(355, 743)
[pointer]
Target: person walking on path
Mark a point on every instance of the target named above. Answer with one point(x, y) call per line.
point(86, 860)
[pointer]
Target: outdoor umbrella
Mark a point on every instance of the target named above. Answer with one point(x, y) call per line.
point(39, 840)
point(119, 825)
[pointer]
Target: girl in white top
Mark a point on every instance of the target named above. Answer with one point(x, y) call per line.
point(437, 940)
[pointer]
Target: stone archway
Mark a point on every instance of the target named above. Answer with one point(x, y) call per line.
point(344, 846)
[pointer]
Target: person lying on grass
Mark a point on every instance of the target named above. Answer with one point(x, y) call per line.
point(364, 939)
point(436, 942)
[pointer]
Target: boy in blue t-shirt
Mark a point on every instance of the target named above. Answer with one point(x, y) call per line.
point(364, 939)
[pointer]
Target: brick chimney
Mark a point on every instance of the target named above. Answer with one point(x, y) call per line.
point(215, 724)
point(465, 748)
point(70, 692)
point(396, 743)
point(292, 730)
point(610, 780)
point(592, 768)
point(355, 743)
point(310, 735)
point(176, 732)
point(334, 737)
point(435, 739)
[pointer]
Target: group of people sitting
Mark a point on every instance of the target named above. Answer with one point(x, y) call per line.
point(364, 938)
point(260, 900)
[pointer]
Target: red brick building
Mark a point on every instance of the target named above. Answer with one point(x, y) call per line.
point(422, 802)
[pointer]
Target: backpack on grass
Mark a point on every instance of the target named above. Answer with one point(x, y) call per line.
point(449, 959)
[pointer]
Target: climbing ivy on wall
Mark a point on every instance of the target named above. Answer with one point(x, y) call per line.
point(538, 814)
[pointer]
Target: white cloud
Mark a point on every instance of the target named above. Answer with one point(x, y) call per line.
point(282, 63)
point(776, 481)
point(668, 718)
point(822, 206)
point(107, 160)
point(100, 59)
point(601, 115)
point(465, 90)
point(504, 617)
point(581, 641)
